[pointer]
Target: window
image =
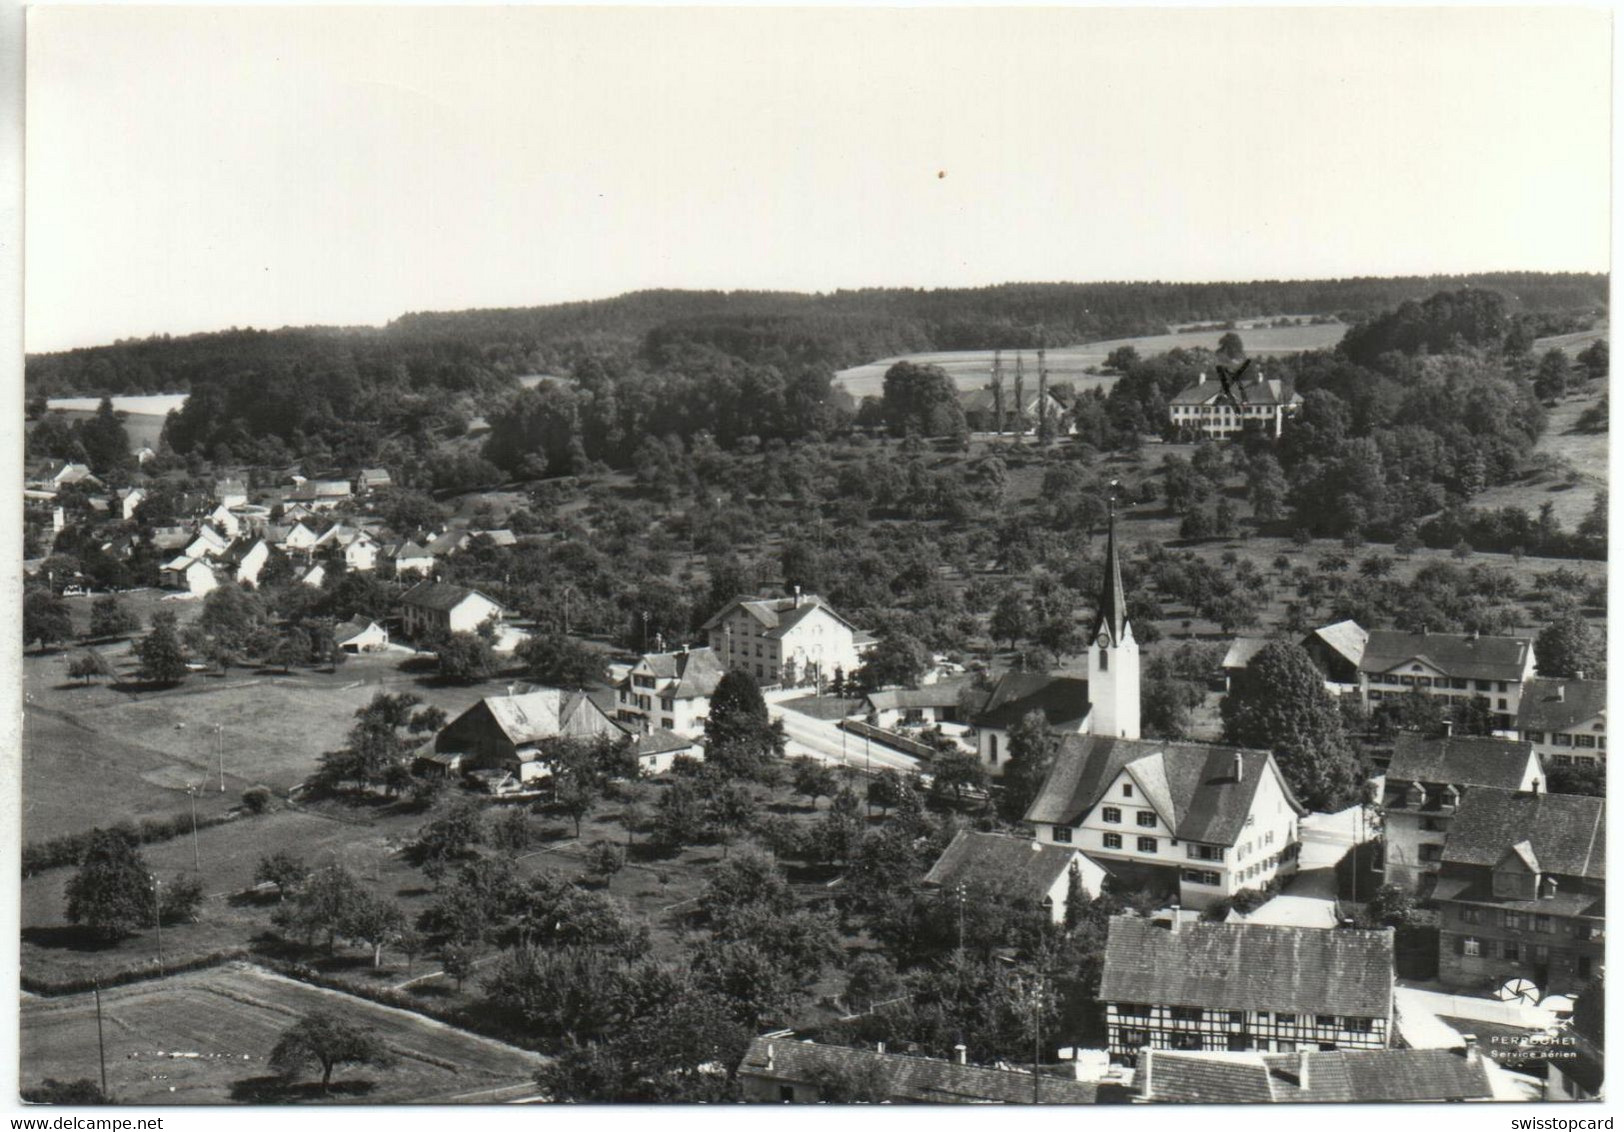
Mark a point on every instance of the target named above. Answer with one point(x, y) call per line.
point(1471, 915)
point(1432, 853)
point(1423, 681)
point(1199, 876)
point(1562, 740)
point(1062, 834)
point(1203, 852)
point(1127, 790)
point(1512, 950)
point(1105, 661)
point(1111, 814)
point(1502, 704)
point(668, 723)
point(1457, 682)
point(1113, 841)
point(1285, 1047)
point(667, 704)
point(1483, 686)
point(1407, 681)
point(1356, 1025)
point(1285, 1019)
point(1237, 1017)
point(1325, 1020)
point(1584, 741)
point(786, 1093)
point(1541, 953)
point(1135, 1009)
point(1186, 1014)
point(1502, 685)
point(1534, 736)
point(1471, 948)
point(1134, 1039)
point(1542, 923)
point(1146, 818)
point(1430, 825)
point(1513, 920)
point(1147, 845)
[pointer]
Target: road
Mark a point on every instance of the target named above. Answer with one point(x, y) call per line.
point(822, 740)
point(1309, 898)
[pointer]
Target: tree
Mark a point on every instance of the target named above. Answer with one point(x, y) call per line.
point(1594, 359)
point(328, 1041)
point(511, 833)
point(898, 659)
point(741, 739)
point(1587, 777)
point(453, 835)
point(45, 619)
point(1551, 379)
point(605, 860)
point(465, 658)
point(374, 921)
point(1122, 359)
point(1032, 750)
point(886, 789)
point(814, 779)
point(321, 905)
point(112, 893)
point(109, 617)
point(1568, 646)
point(871, 978)
point(560, 661)
point(163, 662)
point(957, 771)
point(921, 401)
point(181, 898)
point(458, 961)
point(1230, 346)
point(286, 871)
point(88, 665)
point(1011, 619)
point(1279, 703)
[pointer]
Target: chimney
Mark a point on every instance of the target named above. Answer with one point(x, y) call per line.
point(879, 1047)
point(1547, 887)
point(769, 1055)
point(961, 1053)
point(797, 597)
point(1240, 767)
point(1201, 378)
point(1472, 1053)
point(1173, 922)
point(1536, 787)
point(1561, 693)
point(1302, 1069)
point(1449, 728)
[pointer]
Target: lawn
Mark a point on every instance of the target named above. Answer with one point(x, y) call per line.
point(205, 1038)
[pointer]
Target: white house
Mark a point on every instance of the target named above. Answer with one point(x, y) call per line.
point(299, 538)
point(358, 635)
point(208, 543)
point(1017, 866)
point(130, 498)
point(314, 576)
point(658, 749)
point(1200, 821)
point(230, 493)
point(360, 548)
point(1565, 720)
point(1454, 667)
point(430, 609)
point(410, 558)
point(193, 575)
point(372, 479)
point(225, 521)
point(669, 691)
point(321, 495)
point(1204, 409)
point(245, 558)
point(786, 640)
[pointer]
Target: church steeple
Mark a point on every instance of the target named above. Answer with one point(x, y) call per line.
point(1113, 604)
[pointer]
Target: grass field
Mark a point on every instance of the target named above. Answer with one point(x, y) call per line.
point(1585, 453)
point(971, 369)
point(227, 1020)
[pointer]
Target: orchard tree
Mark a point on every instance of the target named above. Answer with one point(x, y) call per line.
point(1567, 647)
point(1279, 704)
point(1032, 750)
point(1230, 346)
point(45, 619)
point(109, 617)
point(286, 871)
point(325, 1040)
point(112, 893)
point(559, 661)
point(163, 662)
point(465, 658)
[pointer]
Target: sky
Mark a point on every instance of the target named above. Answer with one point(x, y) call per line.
point(196, 168)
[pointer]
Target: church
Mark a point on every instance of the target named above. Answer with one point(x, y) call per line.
point(1106, 703)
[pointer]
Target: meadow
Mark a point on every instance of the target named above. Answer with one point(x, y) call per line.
point(205, 1038)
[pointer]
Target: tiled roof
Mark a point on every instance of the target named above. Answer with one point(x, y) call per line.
point(1471, 885)
point(697, 671)
point(1333, 1076)
point(239, 550)
point(322, 489)
point(449, 543)
point(1477, 658)
point(1199, 793)
point(920, 1080)
point(1263, 391)
point(942, 694)
point(353, 628)
point(1348, 638)
point(1249, 966)
point(1566, 832)
point(410, 549)
point(776, 614)
point(1560, 705)
point(442, 597)
point(1021, 865)
point(1242, 650)
point(1061, 699)
point(1461, 760)
point(534, 715)
point(659, 741)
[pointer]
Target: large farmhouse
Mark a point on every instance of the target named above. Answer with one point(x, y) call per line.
point(431, 609)
point(786, 640)
point(504, 733)
point(1455, 667)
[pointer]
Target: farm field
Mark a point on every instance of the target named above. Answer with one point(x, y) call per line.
point(970, 368)
point(230, 1018)
point(137, 404)
point(1584, 452)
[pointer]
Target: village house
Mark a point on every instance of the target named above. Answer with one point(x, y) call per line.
point(1315, 1076)
point(505, 733)
point(38, 501)
point(788, 641)
point(1454, 667)
point(1262, 403)
point(1175, 984)
point(1424, 785)
point(1565, 720)
point(1198, 821)
point(193, 575)
point(313, 576)
point(1015, 866)
point(449, 542)
point(784, 1071)
point(170, 538)
point(296, 539)
point(359, 549)
point(937, 702)
point(359, 635)
point(321, 495)
point(243, 560)
point(1521, 891)
point(409, 558)
point(981, 411)
point(669, 691)
point(52, 476)
point(656, 750)
point(129, 498)
point(143, 454)
point(225, 520)
point(230, 493)
point(1335, 650)
point(434, 609)
point(369, 480)
point(207, 543)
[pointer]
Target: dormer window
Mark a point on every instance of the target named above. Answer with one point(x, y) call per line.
point(1127, 790)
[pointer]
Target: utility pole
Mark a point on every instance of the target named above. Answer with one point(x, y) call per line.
point(1043, 395)
point(1020, 405)
point(158, 922)
point(220, 746)
point(101, 1046)
point(958, 894)
point(998, 391)
point(197, 860)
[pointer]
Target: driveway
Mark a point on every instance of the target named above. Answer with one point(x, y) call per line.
point(1309, 898)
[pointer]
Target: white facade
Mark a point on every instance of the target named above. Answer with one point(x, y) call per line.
point(473, 610)
point(815, 642)
point(224, 521)
point(1113, 685)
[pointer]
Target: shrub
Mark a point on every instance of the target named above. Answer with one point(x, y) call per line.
point(256, 799)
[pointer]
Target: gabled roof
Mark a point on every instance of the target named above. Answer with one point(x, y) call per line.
point(1249, 966)
point(1019, 865)
point(1461, 760)
point(1458, 654)
point(353, 628)
point(499, 537)
point(536, 715)
point(239, 550)
point(1347, 638)
point(696, 672)
point(921, 1080)
point(1566, 833)
point(1062, 700)
point(660, 742)
point(442, 597)
point(409, 549)
point(1262, 391)
point(1242, 650)
point(374, 475)
point(1197, 783)
point(1561, 705)
point(1333, 1076)
point(230, 487)
point(942, 694)
point(449, 542)
point(776, 614)
point(982, 400)
point(322, 489)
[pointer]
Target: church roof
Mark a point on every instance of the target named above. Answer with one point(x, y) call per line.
point(1113, 607)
